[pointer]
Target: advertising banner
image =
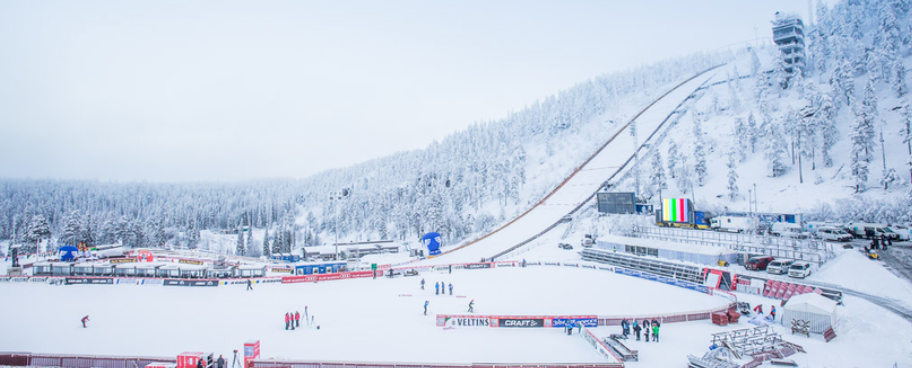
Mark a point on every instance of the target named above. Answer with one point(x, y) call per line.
point(551, 263)
point(189, 261)
point(463, 321)
point(4, 279)
point(153, 282)
point(128, 281)
point(38, 279)
point(282, 270)
point(89, 280)
point(18, 279)
point(177, 282)
point(475, 266)
point(587, 321)
point(325, 277)
point(122, 260)
point(521, 322)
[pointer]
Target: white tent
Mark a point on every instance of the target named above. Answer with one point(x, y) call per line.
point(818, 310)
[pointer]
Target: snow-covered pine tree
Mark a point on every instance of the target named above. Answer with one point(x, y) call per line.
point(732, 175)
point(826, 125)
point(906, 132)
point(657, 176)
point(844, 80)
point(267, 251)
point(685, 175)
point(71, 230)
point(742, 137)
point(699, 152)
point(869, 114)
point(752, 132)
point(900, 87)
point(773, 150)
point(858, 156)
point(672, 157)
point(239, 249)
point(38, 230)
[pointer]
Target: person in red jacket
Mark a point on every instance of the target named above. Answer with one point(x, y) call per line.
point(84, 320)
point(287, 321)
point(297, 319)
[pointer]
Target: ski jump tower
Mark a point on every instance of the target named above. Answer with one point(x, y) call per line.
point(788, 34)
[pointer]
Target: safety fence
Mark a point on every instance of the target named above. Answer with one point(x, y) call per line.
point(22, 359)
point(270, 363)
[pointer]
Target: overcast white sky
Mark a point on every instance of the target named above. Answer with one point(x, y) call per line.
point(232, 90)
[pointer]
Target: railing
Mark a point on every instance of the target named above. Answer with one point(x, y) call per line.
point(21, 359)
point(814, 251)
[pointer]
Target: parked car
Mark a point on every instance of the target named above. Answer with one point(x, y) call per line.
point(565, 246)
point(902, 231)
point(779, 266)
point(800, 269)
point(869, 230)
point(832, 234)
point(758, 263)
point(788, 230)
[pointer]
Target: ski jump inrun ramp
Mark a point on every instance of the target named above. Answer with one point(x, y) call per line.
point(603, 166)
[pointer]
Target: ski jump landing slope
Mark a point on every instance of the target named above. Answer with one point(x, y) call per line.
point(586, 180)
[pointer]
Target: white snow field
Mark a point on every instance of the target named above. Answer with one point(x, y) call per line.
point(360, 320)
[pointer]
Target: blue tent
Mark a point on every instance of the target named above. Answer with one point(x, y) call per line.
point(67, 253)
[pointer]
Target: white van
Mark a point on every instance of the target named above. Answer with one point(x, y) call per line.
point(832, 234)
point(734, 224)
point(800, 269)
point(779, 266)
point(861, 229)
point(788, 230)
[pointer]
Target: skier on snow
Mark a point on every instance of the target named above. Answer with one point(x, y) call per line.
point(422, 284)
point(773, 312)
point(425, 306)
point(249, 284)
point(472, 306)
point(84, 320)
point(451, 289)
point(436, 288)
point(646, 328)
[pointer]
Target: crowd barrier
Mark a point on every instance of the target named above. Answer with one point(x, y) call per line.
point(18, 359)
point(599, 345)
point(270, 363)
point(504, 321)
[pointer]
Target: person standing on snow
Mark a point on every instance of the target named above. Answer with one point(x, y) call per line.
point(249, 285)
point(759, 309)
point(625, 327)
point(451, 289)
point(425, 306)
point(287, 321)
point(298, 318)
point(472, 306)
point(773, 312)
point(220, 363)
point(646, 328)
point(305, 315)
point(422, 284)
point(636, 329)
point(655, 332)
point(579, 327)
point(312, 321)
point(84, 320)
point(436, 288)
point(291, 318)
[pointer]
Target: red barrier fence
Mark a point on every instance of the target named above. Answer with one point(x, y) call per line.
point(263, 363)
point(78, 361)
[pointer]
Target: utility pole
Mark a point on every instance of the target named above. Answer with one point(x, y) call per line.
point(636, 157)
point(337, 196)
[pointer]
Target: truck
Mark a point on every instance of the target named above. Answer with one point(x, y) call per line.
point(678, 212)
point(734, 224)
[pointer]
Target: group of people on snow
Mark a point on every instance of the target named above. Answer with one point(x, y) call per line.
point(439, 287)
point(471, 306)
point(647, 327)
point(293, 320)
point(759, 310)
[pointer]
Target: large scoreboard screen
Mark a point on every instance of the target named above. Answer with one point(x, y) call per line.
point(624, 202)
